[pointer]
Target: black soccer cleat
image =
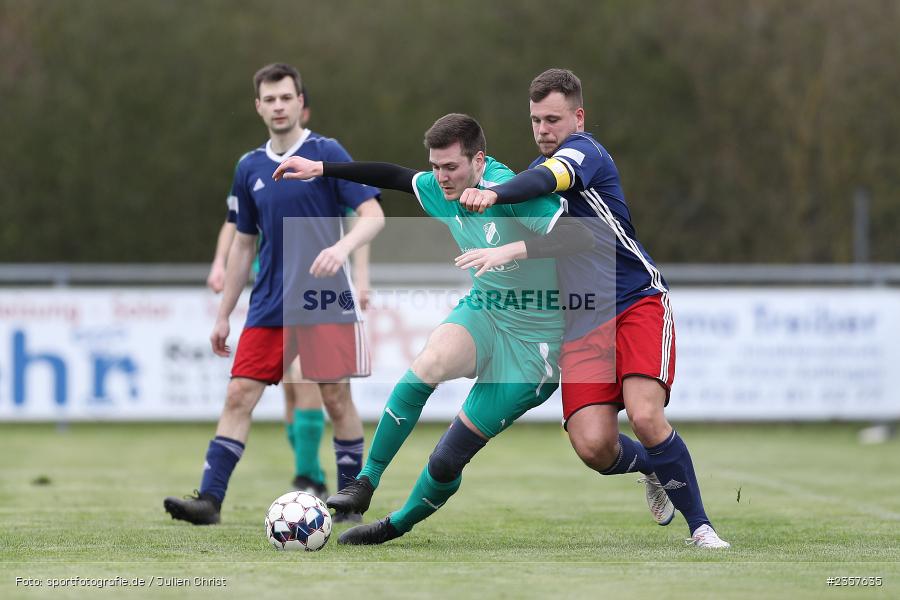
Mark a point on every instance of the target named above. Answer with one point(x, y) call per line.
point(199, 509)
point(302, 483)
point(378, 532)
point(354, 498)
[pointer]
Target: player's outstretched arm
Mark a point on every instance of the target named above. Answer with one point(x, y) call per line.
point(378, 174)
point(568, 236)
point(526, 185)
point(297, 167)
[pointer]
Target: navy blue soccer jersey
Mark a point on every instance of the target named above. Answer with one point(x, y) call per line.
point(260, 206)
point(589, 181)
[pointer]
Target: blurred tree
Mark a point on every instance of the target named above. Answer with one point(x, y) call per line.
point(741, 128)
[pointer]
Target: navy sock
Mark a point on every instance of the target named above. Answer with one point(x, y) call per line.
point(672, 464)
point(221, 458)
point(632, 457)
point(348, 456)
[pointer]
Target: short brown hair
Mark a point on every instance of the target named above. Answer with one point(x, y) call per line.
point(457, 127)
point(563, 81)
point(276, 72)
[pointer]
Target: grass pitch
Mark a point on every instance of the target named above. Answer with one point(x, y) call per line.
point(529, 521)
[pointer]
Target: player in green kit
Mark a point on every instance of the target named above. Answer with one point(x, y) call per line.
point(506, 331)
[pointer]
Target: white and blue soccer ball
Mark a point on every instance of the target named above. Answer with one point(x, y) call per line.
point(298, 521)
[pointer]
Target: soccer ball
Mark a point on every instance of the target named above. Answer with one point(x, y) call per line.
point(298, 521)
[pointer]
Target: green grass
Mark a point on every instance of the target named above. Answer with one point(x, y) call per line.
point(529, 520)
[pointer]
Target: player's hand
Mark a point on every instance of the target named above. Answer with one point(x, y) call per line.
point(297, 167)
point(329, 261)
point(219, 336)
point(216, 278)
point(477, 200)
point(485, 259)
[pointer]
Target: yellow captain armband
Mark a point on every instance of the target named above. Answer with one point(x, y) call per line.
point(560, 172)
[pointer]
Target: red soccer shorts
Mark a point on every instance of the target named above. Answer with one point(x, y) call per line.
point(594, 366)
point(328, 352)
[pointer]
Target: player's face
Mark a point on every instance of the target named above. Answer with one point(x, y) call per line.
point(454, 170)
point(279, 105)
point(553, 119)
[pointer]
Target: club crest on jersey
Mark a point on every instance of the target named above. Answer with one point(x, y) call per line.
point(491, 235)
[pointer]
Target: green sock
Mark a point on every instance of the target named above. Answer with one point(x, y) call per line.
point(398, 419)
point(290, 434)
point(309, 426)
point(426, 497)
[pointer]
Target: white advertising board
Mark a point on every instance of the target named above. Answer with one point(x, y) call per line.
point(143, 354)
point(785, 354)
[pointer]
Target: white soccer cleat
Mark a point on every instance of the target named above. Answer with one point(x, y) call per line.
point(706, 537)
point(661, 506)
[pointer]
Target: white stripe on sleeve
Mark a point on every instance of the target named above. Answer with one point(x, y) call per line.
point(572, 153)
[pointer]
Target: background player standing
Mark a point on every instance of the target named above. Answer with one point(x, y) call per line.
point(575, 165)
point(304, 422)
point(329, 351)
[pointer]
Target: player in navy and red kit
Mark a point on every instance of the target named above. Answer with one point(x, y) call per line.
point(304, 420)
point(302, 263)
point(641, 336)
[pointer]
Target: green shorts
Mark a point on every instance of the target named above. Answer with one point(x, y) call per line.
point(514, 375)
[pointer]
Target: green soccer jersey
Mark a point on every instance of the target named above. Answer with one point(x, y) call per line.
point(522, 296)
